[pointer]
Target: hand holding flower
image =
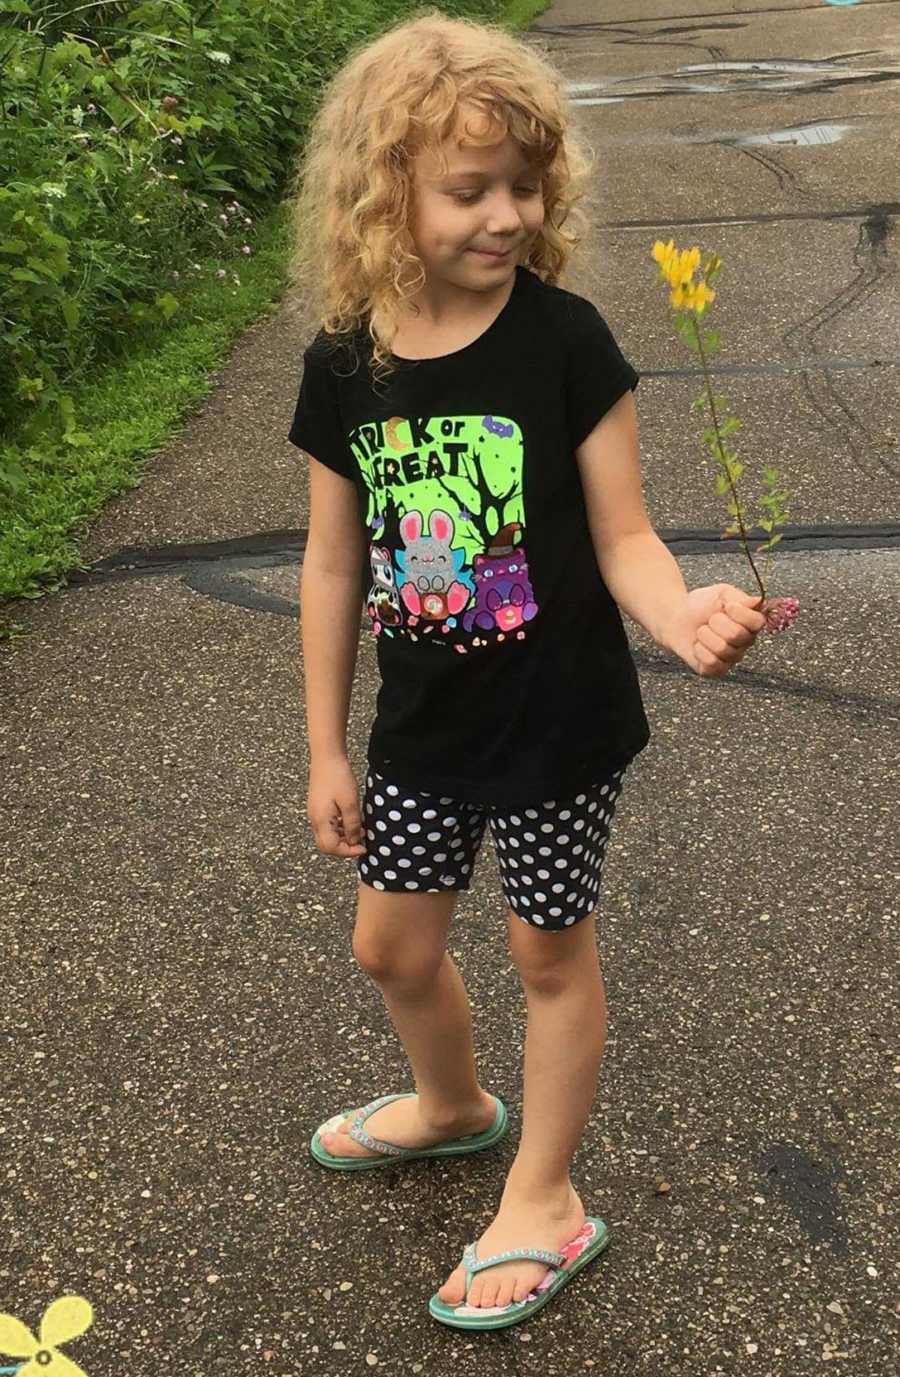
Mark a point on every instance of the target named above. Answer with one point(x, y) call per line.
point(715, 627)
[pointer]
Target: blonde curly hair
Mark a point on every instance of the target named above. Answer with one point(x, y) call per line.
point(351, 192)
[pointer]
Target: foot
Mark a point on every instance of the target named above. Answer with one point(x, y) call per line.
point(401, 1123)
point(520, 1223)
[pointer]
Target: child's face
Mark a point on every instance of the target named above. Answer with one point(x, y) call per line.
point(489, 199)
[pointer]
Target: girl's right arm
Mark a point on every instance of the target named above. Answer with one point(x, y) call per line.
point(330, 610)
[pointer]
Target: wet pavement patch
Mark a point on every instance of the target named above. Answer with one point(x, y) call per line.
point(808, 1188)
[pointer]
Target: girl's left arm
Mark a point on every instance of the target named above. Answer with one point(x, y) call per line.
point(710, 628)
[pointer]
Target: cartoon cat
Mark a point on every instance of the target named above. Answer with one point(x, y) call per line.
point(383, 604)
point(504, 598)
point(431, 589)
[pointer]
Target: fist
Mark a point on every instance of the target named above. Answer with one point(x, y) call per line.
point(715, 627)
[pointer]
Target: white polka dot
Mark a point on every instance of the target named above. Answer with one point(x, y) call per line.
point(527, 880)
point(385, 850)
point(434, 836)
point(579, 824)
point(592, 806)
point(582, 798)
point(393, 790)
point(541, 898)
point(409, 803)
point(419, 850)
point(464, 868)
point(501, 823)
point(382, 826)
point(370, 835)
point(577, 850)
point(545, 850)
point(500, 844)
point(525, 901)
point(440, 855)
point(529, 860)
point(378, 799)
point(605, 789)
point(395, 815)
point(450, 822)
point(413, 827)
point(376, 884)
point(515, 820)
point(555, 912)
point(538, 919)
point(514, 841)
point(426, 870)
point(459, 855)
point(411, 884)
point(529, 836)
point(513, 863)
point(531, 813)
point(445, 801)
point(543, 874)
point(398, 840)
point(574, 875)
point(570, 898)
point(569, 922)
point(429, 813)
point(561, 863)
point(390, 874)
point(404, 863)
point(562, 840)
point(565, 815)
point(548, 827)
point(557, 889)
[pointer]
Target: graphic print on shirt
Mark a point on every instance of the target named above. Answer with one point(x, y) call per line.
point(446, 521)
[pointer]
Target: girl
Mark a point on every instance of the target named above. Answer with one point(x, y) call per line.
point(472, 442)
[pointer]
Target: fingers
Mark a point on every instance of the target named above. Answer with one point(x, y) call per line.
point(339, 832)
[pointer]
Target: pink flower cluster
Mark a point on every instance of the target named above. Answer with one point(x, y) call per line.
point(781, 613)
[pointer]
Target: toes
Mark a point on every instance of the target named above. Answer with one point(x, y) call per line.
point(504, 1292)
point(453, 1291)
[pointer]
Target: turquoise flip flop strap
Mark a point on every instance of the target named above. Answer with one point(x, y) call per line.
point(359, 1135)
point(472, 1264)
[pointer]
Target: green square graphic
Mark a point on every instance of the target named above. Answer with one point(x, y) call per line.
point(446, 523)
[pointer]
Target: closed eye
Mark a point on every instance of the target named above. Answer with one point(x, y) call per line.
point(466, 198)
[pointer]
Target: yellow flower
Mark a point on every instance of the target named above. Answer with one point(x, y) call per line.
point(63, 1319)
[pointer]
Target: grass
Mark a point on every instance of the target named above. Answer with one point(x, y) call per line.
point(138, 402)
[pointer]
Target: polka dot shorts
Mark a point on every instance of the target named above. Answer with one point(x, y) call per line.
point(550, 855)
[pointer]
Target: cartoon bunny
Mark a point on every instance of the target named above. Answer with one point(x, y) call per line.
point(431, 589)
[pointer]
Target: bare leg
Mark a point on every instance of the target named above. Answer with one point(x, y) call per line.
point(566, 1035)
point(401, 941)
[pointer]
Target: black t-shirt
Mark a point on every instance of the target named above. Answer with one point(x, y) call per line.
point(506, 672)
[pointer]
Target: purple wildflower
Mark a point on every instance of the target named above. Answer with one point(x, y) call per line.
point(781, 613)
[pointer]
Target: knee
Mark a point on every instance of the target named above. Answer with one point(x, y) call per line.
point(551, 963)
point(389, 962)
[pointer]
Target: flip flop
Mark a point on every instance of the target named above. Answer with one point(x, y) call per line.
point(592, 1240)
point(391, 1154)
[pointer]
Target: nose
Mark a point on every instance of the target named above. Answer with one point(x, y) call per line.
point(503, 214)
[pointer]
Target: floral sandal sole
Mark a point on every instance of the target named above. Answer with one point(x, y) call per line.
point(389, 1153)
point(591, 1241)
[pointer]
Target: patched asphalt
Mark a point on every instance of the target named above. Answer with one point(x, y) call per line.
point(181, 1007)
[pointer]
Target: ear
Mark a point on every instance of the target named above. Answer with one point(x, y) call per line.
point(411, 526)
point(441, 526)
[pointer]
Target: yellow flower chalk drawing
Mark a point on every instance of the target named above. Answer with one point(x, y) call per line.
point(64, 1319)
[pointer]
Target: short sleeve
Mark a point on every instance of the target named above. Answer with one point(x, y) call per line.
point(597, 372)
point(316, 427)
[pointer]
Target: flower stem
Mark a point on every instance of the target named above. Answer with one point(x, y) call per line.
point(737, 506)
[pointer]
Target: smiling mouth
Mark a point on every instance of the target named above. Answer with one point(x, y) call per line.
point(490, 253)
